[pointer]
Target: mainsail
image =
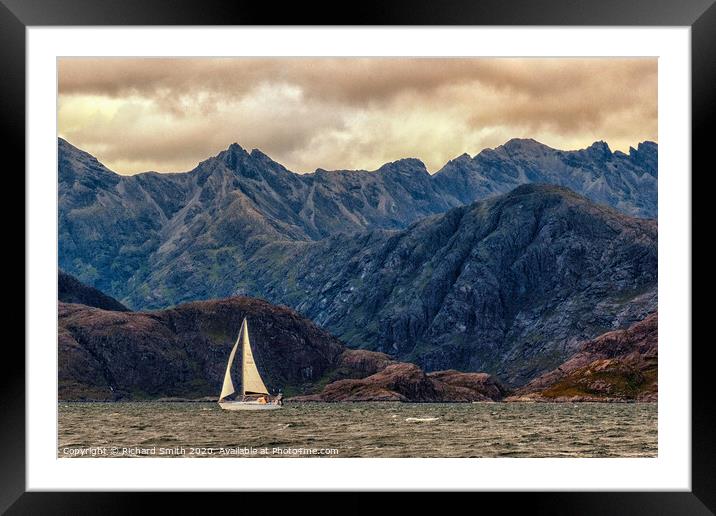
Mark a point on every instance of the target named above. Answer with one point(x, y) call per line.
point(251, 380)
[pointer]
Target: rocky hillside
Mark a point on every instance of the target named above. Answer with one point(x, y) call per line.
point(71, 290)
point(152, 240)
point(182, 352)
point(619, 365)
point(508, 286)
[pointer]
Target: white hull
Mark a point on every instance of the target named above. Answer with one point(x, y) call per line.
point(247, 405)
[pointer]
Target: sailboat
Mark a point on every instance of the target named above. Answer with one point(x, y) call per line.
point(251, 382)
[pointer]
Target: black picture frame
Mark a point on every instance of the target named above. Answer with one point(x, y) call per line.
point(17, 15)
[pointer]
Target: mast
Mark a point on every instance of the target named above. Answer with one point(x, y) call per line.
point(243, 337)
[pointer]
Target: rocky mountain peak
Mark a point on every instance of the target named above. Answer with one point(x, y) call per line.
point(600, 150)
point(646, 156)
point(648, 147)
point(77, 165)
point(233, 155)
point(235, 147)
point(524, 146)
point(405, 166)
point(462, 159)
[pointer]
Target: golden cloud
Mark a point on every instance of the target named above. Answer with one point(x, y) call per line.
point(167, 114)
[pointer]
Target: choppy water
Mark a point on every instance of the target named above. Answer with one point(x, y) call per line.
point(359, 430)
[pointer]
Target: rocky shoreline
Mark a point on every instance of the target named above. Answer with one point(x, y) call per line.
point(299, 401)
point(617, 367)
point(408, 383)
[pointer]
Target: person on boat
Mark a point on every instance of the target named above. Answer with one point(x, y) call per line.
point(262, 400)
point(279, 399)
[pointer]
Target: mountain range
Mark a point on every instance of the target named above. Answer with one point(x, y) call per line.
point(116, 230)
point(394, 260)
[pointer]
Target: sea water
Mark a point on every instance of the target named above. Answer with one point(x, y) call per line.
point(158, 429)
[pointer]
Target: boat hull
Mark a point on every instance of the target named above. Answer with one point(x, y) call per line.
point(248, 405)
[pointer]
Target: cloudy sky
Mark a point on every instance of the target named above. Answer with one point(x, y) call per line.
point(139, 114)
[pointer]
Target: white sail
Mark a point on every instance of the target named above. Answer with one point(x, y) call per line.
point(228, 387)
point(251, 380)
